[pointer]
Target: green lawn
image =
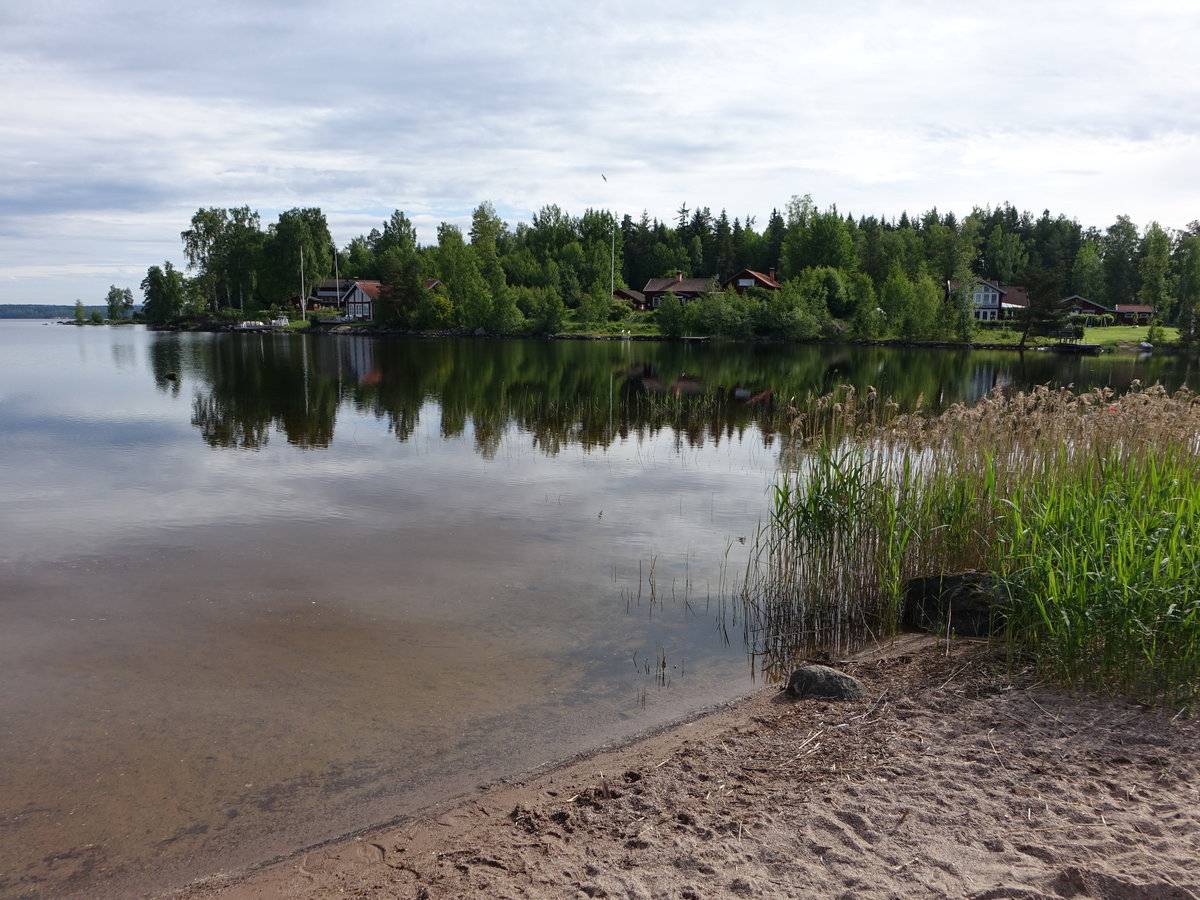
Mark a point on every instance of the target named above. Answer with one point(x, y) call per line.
point(1133, 334)
point(1107, 337)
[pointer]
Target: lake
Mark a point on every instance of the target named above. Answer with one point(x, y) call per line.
point(259, 591)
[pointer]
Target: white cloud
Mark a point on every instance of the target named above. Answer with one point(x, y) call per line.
point(118, 121)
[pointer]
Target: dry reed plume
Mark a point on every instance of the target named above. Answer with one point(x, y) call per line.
point(1085, 505)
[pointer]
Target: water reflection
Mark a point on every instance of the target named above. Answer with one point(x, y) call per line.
point(444, 561)
point(248, 387)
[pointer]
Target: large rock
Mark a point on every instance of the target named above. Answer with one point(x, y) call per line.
point(965, 604)
point(822, 681)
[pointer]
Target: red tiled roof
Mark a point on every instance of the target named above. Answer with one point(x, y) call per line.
point(763, 280)
point(370, 288)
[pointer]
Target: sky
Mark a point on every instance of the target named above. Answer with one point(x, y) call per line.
point(119, 119)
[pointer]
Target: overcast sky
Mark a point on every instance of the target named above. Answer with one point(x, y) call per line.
point(120, 118)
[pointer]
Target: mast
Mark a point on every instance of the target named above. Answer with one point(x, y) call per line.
point(337, 282)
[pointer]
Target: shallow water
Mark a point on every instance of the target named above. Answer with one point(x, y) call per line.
point(259, 591)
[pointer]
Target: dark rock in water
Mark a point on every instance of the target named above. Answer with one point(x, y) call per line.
point(822, 681)
point(966, 604)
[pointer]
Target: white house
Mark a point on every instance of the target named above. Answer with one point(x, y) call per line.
point(989, 300)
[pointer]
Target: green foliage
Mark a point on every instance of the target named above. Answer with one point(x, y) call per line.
point(236, 265)
point(799, 312)
point(594, 306)
point(118, 301)
point(543, 309)
point(165, 290)
point(1186, 315)
point(1120, 250)
point(225, 249)
point(506, 315)
point(435, 311)
point(957, 317)
point(868, 322)
point(79, 318)
point(298, 241)
point(459, 273)
point(1154, 269)
point(1085, 507)
point(824, 285)
point(718, 313)
point(1087, 274)
point(401, 284)
point(816, 240)
point(1006, 257)
point(670, 315)
point(1046, 311)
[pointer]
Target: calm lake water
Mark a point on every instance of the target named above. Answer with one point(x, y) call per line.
point(259, 591)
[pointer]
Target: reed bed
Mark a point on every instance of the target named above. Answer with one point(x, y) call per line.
point(1084, 506)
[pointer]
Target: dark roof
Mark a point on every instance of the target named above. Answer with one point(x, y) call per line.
point(629, 294)
point(1079, 298)
point(678, 285)
point(1016, 296)
point(1134, 308)
point(1012, 294)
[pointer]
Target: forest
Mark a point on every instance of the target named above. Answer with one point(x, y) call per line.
point(864, 276)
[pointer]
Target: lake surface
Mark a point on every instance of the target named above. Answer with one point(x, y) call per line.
point(259, 591)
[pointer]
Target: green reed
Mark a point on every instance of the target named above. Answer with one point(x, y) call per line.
point(1086, 507)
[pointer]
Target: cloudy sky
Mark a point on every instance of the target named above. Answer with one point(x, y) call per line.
point(120, 118)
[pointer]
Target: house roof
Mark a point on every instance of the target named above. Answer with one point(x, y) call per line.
point(763, 280)
point(1134, 308)
point(677, 284)
point(1079, 298)
point(630, 294)
point(1014, 295)
point(955, 285)
point(1010, 294)
point(370, 288)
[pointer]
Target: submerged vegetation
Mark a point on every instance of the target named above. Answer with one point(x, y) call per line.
point(1084, 506)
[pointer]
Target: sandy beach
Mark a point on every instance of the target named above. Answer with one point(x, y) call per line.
point(957, 776)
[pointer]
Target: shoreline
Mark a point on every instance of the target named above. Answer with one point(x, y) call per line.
point(953, 777)
point(385, 331)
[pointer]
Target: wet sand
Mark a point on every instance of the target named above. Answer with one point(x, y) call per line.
point(955, 777)
point(163, 717)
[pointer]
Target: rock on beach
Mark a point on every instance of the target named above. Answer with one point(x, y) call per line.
point(822, 681)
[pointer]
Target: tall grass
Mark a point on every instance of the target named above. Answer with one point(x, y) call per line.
point(1086, 507)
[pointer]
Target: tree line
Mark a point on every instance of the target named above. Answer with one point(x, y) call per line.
point(869, 275)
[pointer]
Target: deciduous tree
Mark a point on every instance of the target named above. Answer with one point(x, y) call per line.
point(1154, 269)
point(165, 291)
point(1087, 274)
point(299, 234)
point(1119, 249)
point(118, 300)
